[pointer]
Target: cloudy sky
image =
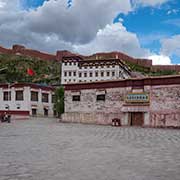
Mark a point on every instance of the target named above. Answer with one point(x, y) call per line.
point(140, 28)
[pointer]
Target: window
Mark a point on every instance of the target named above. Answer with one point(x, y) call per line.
point(18, 106)
point(74, 73)
point(76, 98)
point(113, 73)
point(108, 73)
point(19, 96)
point(100, 97)
point(85, 74)
point(102, 74)
point(53, 98)
point(34, 96)
point(65, 73)
point(65, 63)
point(7, 96)
point(90, 74)
point(70, 63)
point(96, 74)
point(45, 97)
point(69, 73)
point(74, 63)
point(80, 74)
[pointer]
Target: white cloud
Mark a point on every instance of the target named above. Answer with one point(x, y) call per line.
point(171, 46)
point(149, 2)
point(80, 23)
point(85, 27)
point(160, 59)
point(113, 37)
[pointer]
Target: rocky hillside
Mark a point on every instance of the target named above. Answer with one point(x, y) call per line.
point(16, 69)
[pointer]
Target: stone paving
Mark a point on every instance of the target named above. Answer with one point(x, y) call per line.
point(42, 149)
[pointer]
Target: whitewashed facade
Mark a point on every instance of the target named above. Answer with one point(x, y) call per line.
point(76, 70)
point(26, 100)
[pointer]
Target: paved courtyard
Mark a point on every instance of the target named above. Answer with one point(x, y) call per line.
point(42, 149)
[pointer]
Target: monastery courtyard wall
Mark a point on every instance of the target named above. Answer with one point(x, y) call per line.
point(162, 109)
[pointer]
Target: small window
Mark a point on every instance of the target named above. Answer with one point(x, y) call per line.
point(80, 74)
point(18, 106)
point(70, 73)
point(90, 74)
point(96, 74)
point(102, 74)
point(85, 74)
point(74, 63)
point(65, 63)
point(76, 98)
point(65, 73)
point(19, 96)
point(108, 73)
point(34, 96)
point(53, 98)
point(113, 73)
point(70, 63)
point(45, 97)
point(7, 96)
point(74, 73)
point(100, 97)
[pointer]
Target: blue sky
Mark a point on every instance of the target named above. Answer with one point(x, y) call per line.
point(139, 28)
point(27, 4)
point(153, 24)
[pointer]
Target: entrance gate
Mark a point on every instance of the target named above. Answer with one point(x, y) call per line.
point(136, 119)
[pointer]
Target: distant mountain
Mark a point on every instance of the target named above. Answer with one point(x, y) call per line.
point(15, 62)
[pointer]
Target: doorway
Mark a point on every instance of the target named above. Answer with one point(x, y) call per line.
point(136, 118)
point(45, 112)
point(34, 112)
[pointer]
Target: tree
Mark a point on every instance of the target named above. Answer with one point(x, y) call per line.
point(59, 101)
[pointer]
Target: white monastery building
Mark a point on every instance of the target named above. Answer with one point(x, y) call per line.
point(75, 69)
point(24, 100)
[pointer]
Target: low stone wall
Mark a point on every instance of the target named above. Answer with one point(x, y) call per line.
point(92, 118)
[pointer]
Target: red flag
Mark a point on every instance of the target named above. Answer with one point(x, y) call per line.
point(30, 72)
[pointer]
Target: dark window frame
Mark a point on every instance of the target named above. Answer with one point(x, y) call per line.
point(7, 96)
point(19, 95)
point(34, 96)
point(45, 97)
point(101, 97)
point(76, 98)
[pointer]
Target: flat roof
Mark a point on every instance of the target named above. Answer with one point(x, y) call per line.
point(132, 82)
point(32, 85)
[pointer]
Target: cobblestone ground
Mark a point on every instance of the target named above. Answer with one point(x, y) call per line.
point(42, 149)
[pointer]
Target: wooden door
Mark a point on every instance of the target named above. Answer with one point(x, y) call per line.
point(137, 118)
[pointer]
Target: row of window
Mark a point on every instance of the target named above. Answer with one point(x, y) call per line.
point(69, 63)
point(19, 96)
point(85, 67)
point(90, 74)
point(100, 97)
point(97, 66)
